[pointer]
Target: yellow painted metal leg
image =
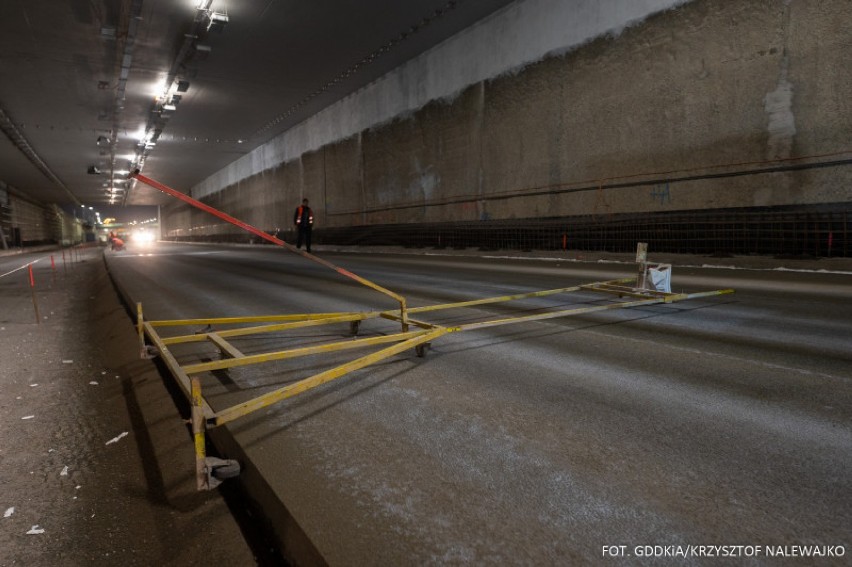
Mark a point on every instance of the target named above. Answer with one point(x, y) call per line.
point(174, 366)
point(140, 330)
point(198, 429)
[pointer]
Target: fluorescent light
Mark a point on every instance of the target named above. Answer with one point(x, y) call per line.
point(161, 87)
point(217, 21)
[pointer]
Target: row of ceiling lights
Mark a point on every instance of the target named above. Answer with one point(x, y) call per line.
point(165, 104)
point(206, 20)
point(97, 218)
point(117, 176)
point(97, 215)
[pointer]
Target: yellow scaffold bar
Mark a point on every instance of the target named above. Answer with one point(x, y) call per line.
point(316, 319)
point(498, 299)
point(237, 320)
point(224, 346)
point(198, 431)
point(173, 365)
point(635, 288)
point(297, 352)
point(273, 397)
point(664, 298)
point(244, 331)
point(556, 314)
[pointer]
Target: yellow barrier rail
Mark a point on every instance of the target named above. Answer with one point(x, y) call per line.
point(210, 471)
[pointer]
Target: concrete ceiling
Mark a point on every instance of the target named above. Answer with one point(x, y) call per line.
point(76, 71)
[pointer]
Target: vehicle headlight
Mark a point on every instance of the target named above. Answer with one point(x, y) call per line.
point(143, 236)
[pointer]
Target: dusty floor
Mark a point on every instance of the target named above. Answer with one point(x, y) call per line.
point(72, 385)
point(96, 464)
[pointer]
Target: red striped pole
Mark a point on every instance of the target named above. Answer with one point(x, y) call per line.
point(32, 291)
point(256, 231)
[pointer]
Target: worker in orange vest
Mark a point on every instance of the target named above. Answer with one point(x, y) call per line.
point(304, 221)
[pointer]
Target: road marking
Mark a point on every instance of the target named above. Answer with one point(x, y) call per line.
point(656, 345)
point(24, 267)
point(148, 254)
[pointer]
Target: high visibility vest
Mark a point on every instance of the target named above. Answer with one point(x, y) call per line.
point(300, 211)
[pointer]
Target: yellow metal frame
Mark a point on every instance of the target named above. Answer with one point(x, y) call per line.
point(219, 330)
point(203, 414)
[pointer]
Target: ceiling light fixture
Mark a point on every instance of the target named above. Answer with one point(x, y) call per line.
point(217, 21)
point(161, 88)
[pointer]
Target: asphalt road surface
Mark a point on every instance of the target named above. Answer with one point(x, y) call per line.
point(719, 421)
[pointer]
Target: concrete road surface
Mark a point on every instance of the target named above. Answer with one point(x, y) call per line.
point(724, 421)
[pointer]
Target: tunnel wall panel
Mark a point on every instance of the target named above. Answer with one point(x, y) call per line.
point(712, 105)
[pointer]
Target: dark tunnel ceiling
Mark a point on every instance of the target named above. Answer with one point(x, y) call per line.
point(74, 71)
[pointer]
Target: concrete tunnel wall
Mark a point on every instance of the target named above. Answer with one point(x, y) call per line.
point(708, 86)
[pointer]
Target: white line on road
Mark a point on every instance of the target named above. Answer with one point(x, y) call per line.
point(24, 267)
